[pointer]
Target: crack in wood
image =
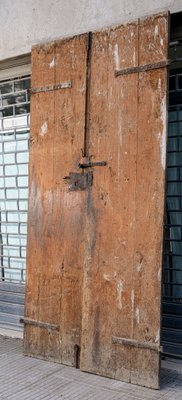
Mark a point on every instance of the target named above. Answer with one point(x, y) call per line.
point(87, 97)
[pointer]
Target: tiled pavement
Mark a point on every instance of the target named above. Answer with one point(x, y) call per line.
point(24, 378)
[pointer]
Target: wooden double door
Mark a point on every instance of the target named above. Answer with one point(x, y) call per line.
point(96, 195)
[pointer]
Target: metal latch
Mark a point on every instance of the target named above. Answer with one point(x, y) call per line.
point(90, 164)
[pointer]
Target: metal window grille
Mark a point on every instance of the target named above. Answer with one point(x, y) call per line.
point(14, 157)
point(172, 271)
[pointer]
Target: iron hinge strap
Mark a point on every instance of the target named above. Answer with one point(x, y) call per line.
point(39, 324)
point(49, 88)
point(142, 68)
point(136, 343)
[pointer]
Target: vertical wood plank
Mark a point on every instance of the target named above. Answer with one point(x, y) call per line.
point(69, 210)
point(151, 156)
point(122, 280)
point(55, 227)
point(111, 204)
point(40, 302)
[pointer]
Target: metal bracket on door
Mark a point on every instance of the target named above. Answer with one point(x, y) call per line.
point(136, 343)
point(39, 324)
point(49, 88)
point(142, 68)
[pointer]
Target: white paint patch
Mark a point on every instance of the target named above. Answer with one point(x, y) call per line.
point(116, 56)
point(137, 315)
point(163, 136)
point(132, 298)
point(156, 30)
point(162, 42)
point(159, 83)
point(107, 277)
point(139, 267)
point(120, 291)
point(134, 57)
point(52, 63)
point(159, 275)
point(157, 337)
point(43, 129)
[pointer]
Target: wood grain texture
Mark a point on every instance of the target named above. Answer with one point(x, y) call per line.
point(150, 187)
point(122, 279)
point(111, 203)
point(94, 255)
point(55, 226)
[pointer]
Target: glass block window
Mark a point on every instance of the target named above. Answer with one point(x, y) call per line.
point(14, 157)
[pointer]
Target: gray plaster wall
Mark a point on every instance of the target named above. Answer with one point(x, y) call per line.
point(24, 23)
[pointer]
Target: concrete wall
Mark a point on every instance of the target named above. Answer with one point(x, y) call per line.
point(27, 22)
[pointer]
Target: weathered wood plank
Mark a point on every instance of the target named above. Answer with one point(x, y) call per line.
point(55, 228)
point(122, 282)
point(152, 132)
point(39, 305)
point(69, 209)
point(111, 204)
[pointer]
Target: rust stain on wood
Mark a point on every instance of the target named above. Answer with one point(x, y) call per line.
point(79, 181)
